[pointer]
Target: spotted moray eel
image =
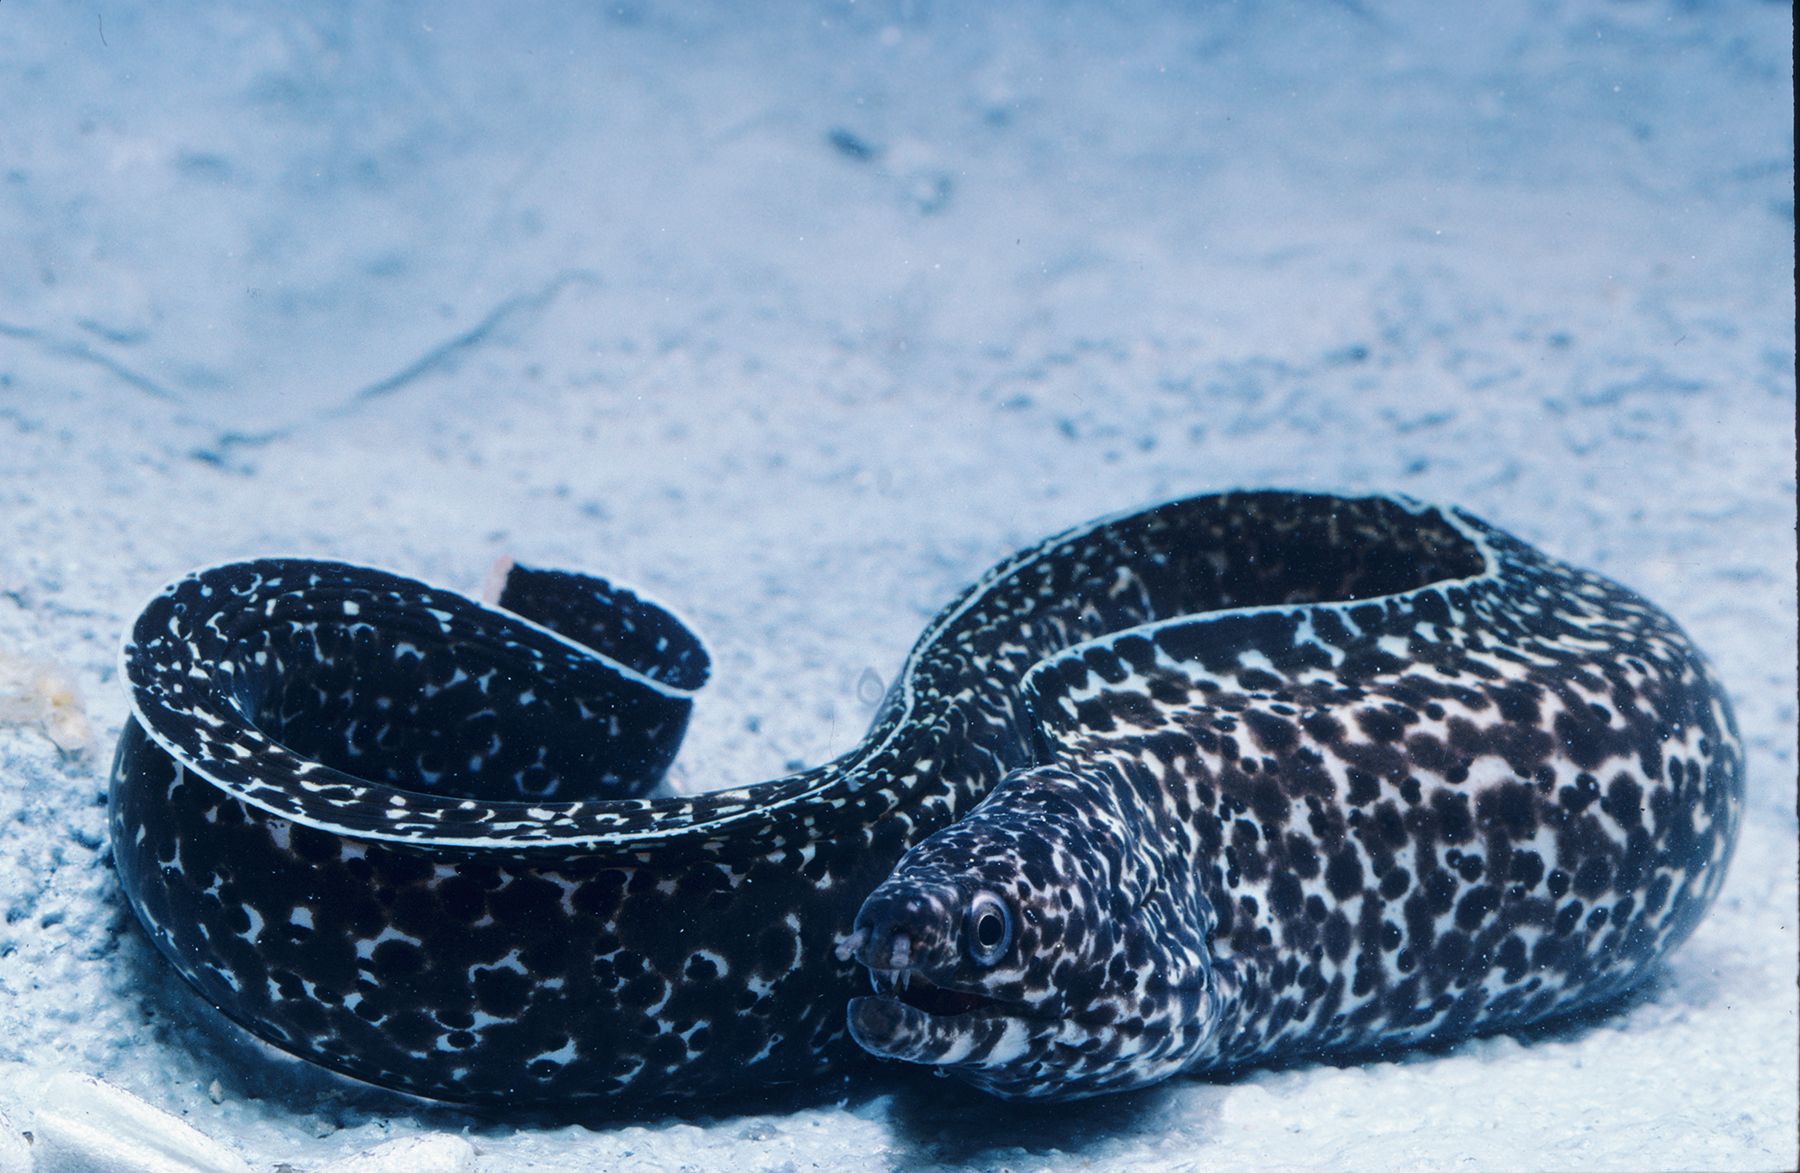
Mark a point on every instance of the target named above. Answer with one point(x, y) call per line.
point(1376, 775)
point(1269, 773)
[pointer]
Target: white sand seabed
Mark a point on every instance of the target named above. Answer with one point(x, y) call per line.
point(800, 316)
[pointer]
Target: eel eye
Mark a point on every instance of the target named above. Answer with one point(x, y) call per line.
point(990, 928)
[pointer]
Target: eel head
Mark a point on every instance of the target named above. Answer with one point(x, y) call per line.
point(1036, 949)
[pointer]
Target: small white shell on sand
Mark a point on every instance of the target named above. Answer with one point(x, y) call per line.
point(85, 1125)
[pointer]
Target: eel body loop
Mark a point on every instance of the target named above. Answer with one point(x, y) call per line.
point(1327, 825)
point(426, 842)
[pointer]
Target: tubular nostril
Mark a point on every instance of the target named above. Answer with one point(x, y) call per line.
point(851, 946)
point(899, 927)
point(879, 947)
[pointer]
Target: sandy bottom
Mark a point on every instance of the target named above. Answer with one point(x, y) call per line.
point(798, 321)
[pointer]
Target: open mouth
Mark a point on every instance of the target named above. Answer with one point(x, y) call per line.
point(921, 993)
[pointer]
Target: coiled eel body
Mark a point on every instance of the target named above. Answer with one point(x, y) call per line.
point(423, 841)
point(1311, 822)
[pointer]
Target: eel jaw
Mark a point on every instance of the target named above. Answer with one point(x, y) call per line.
point(918, 1012)
point(912, 1018)
point(938, 999)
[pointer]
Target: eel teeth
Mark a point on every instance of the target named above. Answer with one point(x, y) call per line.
point(892, 979)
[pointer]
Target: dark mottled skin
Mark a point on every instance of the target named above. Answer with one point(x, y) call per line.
point(1501, 793)
point(424, 842)
point(415, 839)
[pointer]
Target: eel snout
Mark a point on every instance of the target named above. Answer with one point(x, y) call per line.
point(905, 936)
point(902, 927)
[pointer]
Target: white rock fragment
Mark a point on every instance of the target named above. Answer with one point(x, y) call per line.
point(87, 1126)
point(436, 1152)
point(41, 694)
point(15, 1154)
